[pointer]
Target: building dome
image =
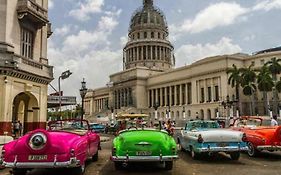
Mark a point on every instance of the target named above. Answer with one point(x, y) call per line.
point(148, 44)
point(148, 16)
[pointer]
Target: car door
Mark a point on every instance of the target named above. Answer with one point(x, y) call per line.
point(93, 140)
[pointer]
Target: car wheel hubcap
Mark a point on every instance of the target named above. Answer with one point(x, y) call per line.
point(251, 149)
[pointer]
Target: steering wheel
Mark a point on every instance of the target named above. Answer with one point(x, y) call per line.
point(132, 127)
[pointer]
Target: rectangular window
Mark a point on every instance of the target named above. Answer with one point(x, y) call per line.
point(209, 94)
point(202, 96)
point(27, 38)
point(178, 94)
point(150, 98)
point(189, 94)
point(216, 93)
point(163, 97)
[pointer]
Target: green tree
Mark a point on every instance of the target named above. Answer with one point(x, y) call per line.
point(248, 84)
point(265, 84)
point(235, 81)
point(274, 67)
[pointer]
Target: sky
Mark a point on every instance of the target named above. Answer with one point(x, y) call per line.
point(89, 35)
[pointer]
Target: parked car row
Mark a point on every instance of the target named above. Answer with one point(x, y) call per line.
point(69, 143)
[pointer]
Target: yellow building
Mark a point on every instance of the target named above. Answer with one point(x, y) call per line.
point(24, 69)
point(149, 78)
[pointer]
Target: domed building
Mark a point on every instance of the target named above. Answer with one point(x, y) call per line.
point(150, 84)
point(148, 44)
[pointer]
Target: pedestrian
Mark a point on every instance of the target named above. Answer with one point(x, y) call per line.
point(17, 128)
point(20, 128)
point(274, 121)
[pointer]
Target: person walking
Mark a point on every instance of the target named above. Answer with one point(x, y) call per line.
point(274, 121)
point(17, 128)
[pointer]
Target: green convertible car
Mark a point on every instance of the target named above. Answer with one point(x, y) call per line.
point(138, 143)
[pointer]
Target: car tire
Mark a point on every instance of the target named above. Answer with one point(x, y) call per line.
point(17, 171)
point(235, 155)
point(252, 152)
point(194, 155)
point(79, 170)
point(118, 165)
point(168, 165)
point(180, 146)
point(95, 157)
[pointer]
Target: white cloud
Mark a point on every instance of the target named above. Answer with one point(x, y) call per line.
point(87, 8)
point(250, 37)
point(268, 5)
point(50, 4)
point(123, 41)
point(64, 30)
point(187, 54)
point(87, 53)
point(215, 15)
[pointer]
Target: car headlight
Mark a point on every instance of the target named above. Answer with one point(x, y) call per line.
point(38, 141)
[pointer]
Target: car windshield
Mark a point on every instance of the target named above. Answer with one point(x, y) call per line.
point(247, 122)
point(202, 124)
point(69, 125)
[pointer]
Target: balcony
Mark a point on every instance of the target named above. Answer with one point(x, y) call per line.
point(17, 63)
point(31, 11)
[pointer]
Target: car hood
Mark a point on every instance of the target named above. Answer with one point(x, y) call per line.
point(57, 143)
point(220, 135)
point(157, 142)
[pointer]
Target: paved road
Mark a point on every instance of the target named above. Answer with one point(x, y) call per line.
point(266, 164)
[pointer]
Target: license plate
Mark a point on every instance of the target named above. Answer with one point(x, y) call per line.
point(143, 153)
point(37, 157)
point(222, 144)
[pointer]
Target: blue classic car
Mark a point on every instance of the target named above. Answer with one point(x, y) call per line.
point(199, 137)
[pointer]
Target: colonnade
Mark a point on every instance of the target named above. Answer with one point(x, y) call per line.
point(122, 98)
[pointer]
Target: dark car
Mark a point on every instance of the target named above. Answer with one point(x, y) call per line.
point(99, 128)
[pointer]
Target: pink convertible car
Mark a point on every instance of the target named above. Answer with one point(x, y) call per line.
point(66, 144)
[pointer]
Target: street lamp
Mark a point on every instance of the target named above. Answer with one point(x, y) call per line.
point(83, 92)
point(64, 75)
point(156, 105)
point(183, 112)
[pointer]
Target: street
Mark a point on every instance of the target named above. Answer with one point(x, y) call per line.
point(266, 163)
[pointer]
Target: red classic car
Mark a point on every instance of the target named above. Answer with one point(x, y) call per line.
point(66, 144)
point(259, 138)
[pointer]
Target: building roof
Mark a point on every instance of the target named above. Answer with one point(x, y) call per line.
point(274, 49)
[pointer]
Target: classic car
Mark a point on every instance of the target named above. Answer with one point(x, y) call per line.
point(199, 137)
point(66, 144)
point(259, 138)
point(136, 143)
point(99, 128)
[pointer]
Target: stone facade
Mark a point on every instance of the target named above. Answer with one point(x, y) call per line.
point(195, 90)
point(24, 69)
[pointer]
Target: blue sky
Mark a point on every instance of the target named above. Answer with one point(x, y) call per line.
point(89, 35)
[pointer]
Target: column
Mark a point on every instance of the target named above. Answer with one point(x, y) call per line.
point(156, 95)
point(152, 97)
point(170, 95)
point(175, 95)
point(138, 51)
point(181, 94)
point(166, 96)
point(141, 50)
point(186, 93)
point(156, 52)
point(161, 97)
point(146, 53)
point(151, 52)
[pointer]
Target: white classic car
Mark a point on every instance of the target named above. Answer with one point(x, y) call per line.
point(200, 137)
point(3, 140)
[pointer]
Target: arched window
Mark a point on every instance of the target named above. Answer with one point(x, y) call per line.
point(159, 35)
point(145, 35)
point(138, 35)
point(152, 34)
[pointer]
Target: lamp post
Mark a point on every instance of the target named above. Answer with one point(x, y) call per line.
point(83, 92)
point(64, 75)
point(183, 113)
point(156, 105)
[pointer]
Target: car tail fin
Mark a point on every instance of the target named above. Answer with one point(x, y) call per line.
point(277, 134)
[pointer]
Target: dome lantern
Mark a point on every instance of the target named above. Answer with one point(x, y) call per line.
point(148, 3)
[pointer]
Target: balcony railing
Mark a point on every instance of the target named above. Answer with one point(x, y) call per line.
point(27, 65)
point(33, 11)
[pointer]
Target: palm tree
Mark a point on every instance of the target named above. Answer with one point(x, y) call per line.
point(235, 81)
point(274, 67)
point(248, 84)
point(265, 84)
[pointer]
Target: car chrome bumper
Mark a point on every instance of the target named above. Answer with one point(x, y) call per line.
point(269, 148)
point(223, 149)
point(73, 162)
point(143, 158)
